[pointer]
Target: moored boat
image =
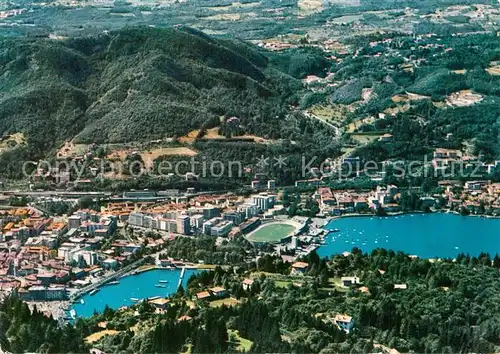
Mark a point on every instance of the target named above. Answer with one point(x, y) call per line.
point(93, 291)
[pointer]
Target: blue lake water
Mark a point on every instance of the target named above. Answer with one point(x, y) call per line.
point(138, 286)
point(437, 235)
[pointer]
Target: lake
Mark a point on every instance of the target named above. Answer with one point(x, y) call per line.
point(437, 235)
point(138, 286)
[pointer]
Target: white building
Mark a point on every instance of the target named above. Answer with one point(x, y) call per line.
point(264, 201)
point(344, 322)
point(222, 228)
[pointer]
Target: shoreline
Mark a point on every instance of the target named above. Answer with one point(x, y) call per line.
point(399, 213)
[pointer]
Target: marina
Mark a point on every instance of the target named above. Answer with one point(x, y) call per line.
point(132, 289)
point(437, 235)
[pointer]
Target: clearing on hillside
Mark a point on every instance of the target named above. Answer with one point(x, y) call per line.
point(494, 68)
point(94, 337)
point(463, 98)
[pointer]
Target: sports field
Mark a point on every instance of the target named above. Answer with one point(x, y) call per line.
point(271, 232)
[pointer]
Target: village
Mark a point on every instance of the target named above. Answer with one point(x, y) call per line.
point(47, 257)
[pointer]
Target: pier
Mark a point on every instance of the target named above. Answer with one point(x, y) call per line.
point(181, 277)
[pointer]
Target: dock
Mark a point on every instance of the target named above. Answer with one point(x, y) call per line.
point(181, 277)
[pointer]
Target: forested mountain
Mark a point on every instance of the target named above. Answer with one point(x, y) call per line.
point(137, 84)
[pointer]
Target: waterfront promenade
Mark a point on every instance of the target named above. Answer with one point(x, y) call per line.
point(79, 292)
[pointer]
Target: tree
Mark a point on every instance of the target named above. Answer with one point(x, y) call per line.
point(85, 202)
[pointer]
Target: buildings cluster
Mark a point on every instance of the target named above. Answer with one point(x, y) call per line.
point(213, 215)
point(454, 161)
point(40, 257)
point(340, 202)
point(475, 197)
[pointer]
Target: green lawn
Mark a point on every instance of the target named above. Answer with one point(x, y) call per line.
point(271, 233)
point(237, 342)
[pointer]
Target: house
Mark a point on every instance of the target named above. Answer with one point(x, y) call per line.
point(400, 286)
point(165, 262)
point(184, 318)
point(364, 289)
point(348, 281)
point(203, 295)
point(385, 138)
point(110, 263)
point(475, 185)
point(160, 303)
point(299, 268)
point(344, 322)
point(247, 284)
point(428, 201)
point(446, 154)
point(218, 291)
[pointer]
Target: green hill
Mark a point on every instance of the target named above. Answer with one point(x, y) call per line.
point(137, 84)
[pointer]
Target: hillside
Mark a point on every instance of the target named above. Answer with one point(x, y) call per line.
point(425, 91)
point(137, 84)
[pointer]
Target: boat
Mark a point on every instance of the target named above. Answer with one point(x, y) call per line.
point(335, 230)
point(114, 282)
point(134, 299)
point(163, 281)
point(160, 286)
point(93, 291)
point(72, 313)
point(154, 298)
point(82, 302)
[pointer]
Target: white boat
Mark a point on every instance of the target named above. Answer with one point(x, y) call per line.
point(134, 299)
point(114, 282)
point(93, 291)
point(81, 301)
point(160, 286)
point(163, 281)
point(72, 312)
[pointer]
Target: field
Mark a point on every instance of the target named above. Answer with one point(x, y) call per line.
point(237, 342)
point(365, 138)
point(149, 156)
point(271, 232)
point(227, 301)
point(307, 7)
point(464, 98)
point(12, 141)
point(94, 337)
point(494, 68)
point(330, 113)
point(351, 127)
point(213, 133)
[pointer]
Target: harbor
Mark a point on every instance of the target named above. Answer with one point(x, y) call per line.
point(131, 289)
point(435, 235)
